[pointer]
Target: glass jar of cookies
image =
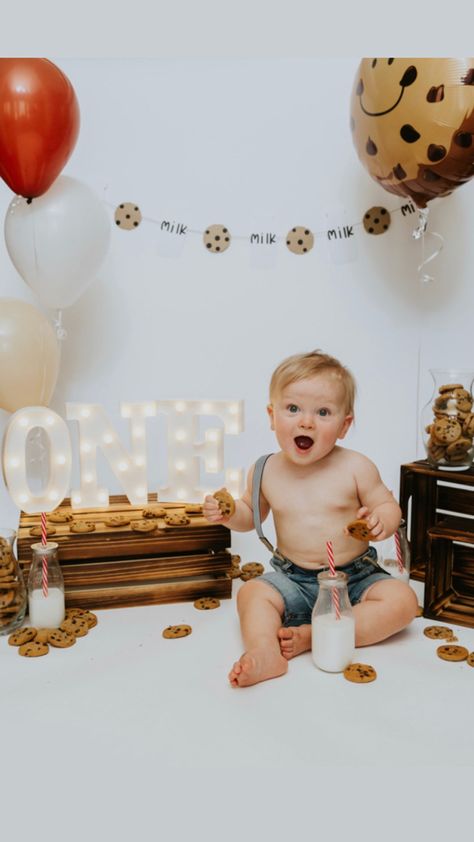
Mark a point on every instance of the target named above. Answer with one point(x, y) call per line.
point(12, 585)
point(448, 420)
point(46, 604)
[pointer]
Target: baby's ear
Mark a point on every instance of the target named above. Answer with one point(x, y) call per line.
point(270, 415)
point(345, 426)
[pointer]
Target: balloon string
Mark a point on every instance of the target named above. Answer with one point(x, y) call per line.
point(35, 250)
point(61, 331)
point(420, 233)
point(43, 391)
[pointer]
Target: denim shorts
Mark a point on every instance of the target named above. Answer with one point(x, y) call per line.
point(299, 587)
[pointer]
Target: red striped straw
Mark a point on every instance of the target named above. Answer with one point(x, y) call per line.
point(401, 566)
point(44, 541)
point(332, 572)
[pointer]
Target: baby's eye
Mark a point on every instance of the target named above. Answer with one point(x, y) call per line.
point(323, 412)
point(292, 407)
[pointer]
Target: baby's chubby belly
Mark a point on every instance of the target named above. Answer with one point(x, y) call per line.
point(303, 539)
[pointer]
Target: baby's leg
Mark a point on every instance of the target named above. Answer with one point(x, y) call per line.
point(386, 608)
point(260, 609)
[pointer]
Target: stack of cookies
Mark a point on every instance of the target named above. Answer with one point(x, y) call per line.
point(12, 590)
point(451, 432)
point(33, 642)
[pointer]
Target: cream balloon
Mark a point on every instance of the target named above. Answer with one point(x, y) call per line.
point(29, 356)
point(58, 241)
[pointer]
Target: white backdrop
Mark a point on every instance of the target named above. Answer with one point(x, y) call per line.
point(258, 145)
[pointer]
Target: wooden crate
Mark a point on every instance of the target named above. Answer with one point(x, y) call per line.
point(449, 582)
point(117, 567)
point(426, 495)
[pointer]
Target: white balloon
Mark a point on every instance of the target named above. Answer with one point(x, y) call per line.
point(58, 241)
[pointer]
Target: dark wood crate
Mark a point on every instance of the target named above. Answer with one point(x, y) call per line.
point(449, 581)
point(426, 493)
point(117, 567)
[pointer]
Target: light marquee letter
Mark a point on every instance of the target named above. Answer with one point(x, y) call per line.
point(14, 459)
point(185, 452)
point(95, 430)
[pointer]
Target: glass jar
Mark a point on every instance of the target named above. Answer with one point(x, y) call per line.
point(448, 421)
point(12, 585)
point(394, 554)
point(332, 624)
point(46, 604)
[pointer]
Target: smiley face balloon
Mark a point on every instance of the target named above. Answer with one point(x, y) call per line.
point(412, 122)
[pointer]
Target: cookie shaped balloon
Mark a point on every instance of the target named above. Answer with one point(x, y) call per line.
point(412, 122)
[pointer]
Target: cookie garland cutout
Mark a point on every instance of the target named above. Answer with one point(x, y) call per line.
point(127, 216)
point(216, 238)
point(376, 220)
point(300, 240)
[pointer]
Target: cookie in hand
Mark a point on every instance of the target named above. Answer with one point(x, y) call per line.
point(226, 502)
point(360, 530)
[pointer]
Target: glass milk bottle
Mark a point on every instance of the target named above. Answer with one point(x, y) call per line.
point(46, 605)
point(394, 554)
point(332, 623)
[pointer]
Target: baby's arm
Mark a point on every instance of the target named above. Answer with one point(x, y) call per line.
point(242, 519)
point(379, 507)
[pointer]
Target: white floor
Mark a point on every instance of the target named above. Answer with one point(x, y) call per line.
point(126, 705)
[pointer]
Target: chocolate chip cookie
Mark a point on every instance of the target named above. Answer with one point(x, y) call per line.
point(452, 653)
point(226, 502)
point(360, 673)
point(360, 530)
point(206, 603)
point(173, 632)
point(82, 526)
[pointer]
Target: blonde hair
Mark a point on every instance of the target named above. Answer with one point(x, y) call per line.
point(303, 366)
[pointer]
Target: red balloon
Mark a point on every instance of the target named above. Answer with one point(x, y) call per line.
point(39, 123)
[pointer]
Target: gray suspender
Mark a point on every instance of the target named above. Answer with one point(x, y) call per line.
point(256, 485)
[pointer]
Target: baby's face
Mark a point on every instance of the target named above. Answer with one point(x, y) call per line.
point(308, 418)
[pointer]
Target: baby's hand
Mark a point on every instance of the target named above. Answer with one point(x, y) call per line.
point(374, 523)
point(211, 510)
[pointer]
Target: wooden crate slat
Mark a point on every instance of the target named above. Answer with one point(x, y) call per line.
point(123, 542)
point(150, 594)
point(148, 569)
point(456, 499)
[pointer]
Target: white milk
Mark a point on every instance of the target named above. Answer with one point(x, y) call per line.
point(391, 566)
point(46, 612)
point(333, 642)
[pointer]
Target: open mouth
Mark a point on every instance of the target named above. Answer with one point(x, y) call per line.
point(303, 442)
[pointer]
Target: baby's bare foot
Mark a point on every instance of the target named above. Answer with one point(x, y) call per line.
point(294, 640)
point(257, 665)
